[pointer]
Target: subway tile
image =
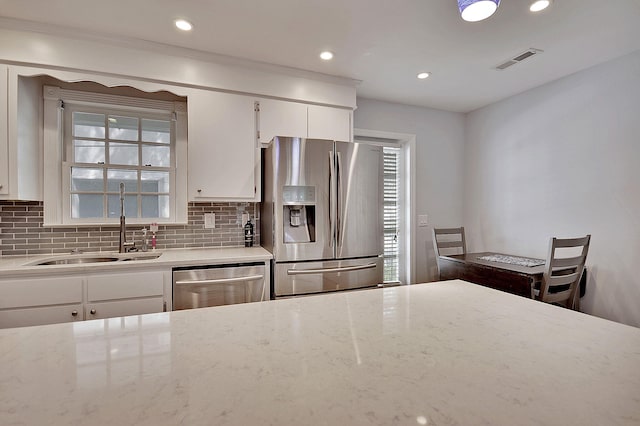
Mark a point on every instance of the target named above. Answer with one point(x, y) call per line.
point(21, 230)
point(14, 252)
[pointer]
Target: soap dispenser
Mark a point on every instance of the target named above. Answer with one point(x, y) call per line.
point(145, 242)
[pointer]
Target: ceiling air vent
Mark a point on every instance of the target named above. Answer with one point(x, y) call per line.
point(519, 58)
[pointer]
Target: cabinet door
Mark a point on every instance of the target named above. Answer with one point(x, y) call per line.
point(40, 316)
point(221, 147)
point(123, 308)
point(124, 286)
point(30, 292)
point(281, 118)
point(329, 123)
point(4, 149)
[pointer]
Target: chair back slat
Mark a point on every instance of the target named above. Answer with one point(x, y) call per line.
point(566, 262)
point(572, 242)
point(450, 244)
point(444, 231)
point(448, 241)
point(561, 278)
point(558, 297)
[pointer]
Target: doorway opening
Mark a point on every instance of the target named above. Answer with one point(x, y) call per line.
point(398, 196)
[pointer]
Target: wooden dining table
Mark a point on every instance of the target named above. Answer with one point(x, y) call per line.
point(512, 278)
point(509, 277)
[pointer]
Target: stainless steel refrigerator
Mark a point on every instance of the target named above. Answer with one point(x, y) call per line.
point(321, 215)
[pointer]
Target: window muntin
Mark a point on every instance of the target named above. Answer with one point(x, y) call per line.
point(108, 146)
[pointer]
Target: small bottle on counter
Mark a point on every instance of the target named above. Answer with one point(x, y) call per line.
point(154, 229)
point(248, 234)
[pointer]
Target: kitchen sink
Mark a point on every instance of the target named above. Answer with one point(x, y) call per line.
point(75, 259)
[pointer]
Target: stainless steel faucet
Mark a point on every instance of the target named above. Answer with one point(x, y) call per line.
point(124, 245)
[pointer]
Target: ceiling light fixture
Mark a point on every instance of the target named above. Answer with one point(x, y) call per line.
point(539, 5)
point(184, 25)
point(477, 10)
point(424, 75)
point(326, 55)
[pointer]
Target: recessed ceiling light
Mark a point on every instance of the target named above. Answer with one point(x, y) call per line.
point(326, 55)
point(539, 5)
point(423, 75)
point(183, 25)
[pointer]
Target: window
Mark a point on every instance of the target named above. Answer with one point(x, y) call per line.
point(104, 148)
point(94, 142)
point(391, 213)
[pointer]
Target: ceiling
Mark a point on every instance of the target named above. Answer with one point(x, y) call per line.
point(381, 43)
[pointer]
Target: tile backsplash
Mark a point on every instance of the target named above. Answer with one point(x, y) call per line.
point(22, 231)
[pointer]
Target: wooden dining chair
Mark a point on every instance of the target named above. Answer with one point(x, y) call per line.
point(448, 241)
point(561, 278)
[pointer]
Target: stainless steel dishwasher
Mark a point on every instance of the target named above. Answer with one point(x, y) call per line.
point(201, 287)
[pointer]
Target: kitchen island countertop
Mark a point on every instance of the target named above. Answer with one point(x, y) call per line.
point(445, 353)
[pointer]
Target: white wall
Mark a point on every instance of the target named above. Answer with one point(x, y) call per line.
point(564, 160)
point(439, 166)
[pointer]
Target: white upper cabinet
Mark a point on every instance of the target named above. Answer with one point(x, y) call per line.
point(4, 148)
point(282, 118)
point(224, 164)
point(20, 114)
point(329, 123)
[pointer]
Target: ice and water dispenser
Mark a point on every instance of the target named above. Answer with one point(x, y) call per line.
point(299, 215)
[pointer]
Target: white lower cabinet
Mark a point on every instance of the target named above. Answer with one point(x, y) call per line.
point(123, 308)
point(38, 301)
point(119, 295)
point(23, 317)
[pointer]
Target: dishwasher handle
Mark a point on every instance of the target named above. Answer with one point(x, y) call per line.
point(221, 280)
point(325, 270)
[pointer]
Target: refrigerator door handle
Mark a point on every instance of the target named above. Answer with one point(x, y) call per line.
point(332, 229)
point(325, 270)
point(338, 200)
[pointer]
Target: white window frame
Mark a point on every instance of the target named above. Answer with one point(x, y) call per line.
point(407, 144)
point(56, 172)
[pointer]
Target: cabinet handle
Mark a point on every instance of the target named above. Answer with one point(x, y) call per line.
point(1, 186)
point(74, 313)
point(92, 312)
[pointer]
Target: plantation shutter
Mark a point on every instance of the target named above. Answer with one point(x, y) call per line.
point(391, 213)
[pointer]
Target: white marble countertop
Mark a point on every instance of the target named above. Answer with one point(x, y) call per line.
point(16, 266)
point(446, 353)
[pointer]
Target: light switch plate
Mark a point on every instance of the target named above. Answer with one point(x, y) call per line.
point(209, 220)
point(423, 220)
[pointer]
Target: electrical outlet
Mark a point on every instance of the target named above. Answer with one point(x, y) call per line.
point(209, 220)
point(245, 218)
point(423, 220)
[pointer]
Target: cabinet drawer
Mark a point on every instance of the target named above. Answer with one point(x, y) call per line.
point(123, 308)
point(40, 291)
point(123, 286)
point(40, 316)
